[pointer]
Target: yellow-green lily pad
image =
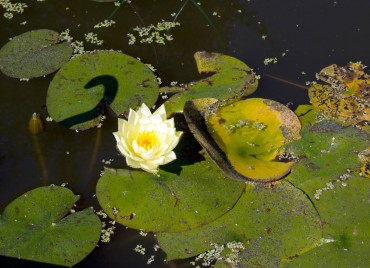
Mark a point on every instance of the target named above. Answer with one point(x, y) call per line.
point(307, 114)
point(38, 226)
point(83, 89)
point(346, 98)
point(34, 54)
point(245, 138)
point(231, 80)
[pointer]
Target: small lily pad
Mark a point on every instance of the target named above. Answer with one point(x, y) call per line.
point(307, 114)
point(34, 54)
point(232, 79)
point(274, 222)
point(36, 226)
point(82, 90)
point(250, 134)
point(170, 202)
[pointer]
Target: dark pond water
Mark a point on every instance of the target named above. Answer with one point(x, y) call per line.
point(304, 36)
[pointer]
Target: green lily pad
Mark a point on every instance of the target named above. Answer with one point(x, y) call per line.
point(170, 202)
point(232, 79)
point(345, 219)
point(274, 222)
point(81, 90)
point(306, 114)
point(327, 150)
point(333, 255)
point(35, 226)
point(250, 134)
point(34, 54)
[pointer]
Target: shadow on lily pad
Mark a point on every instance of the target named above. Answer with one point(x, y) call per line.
point(110, 84)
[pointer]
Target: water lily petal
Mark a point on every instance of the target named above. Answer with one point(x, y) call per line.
point(146, 139)
point(162, 112)
point(170, 157)
point(149, 167)
point(133, 117)
point(144, 111)
point(132, 163)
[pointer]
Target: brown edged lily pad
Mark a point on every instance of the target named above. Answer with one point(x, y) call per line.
point(346, 97)
point(246, 139)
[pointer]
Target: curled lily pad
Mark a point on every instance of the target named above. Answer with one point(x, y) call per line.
point(170, 202)
point(274, 222)
point(346, 98)
point(245, 138)
point(36, 226)
point(33, 54)
point(81, 91)
point(232, 79)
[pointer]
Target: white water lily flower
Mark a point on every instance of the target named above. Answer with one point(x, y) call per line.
point(147, 140)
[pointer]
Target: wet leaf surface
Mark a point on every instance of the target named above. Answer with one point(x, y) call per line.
point(34, 54)
point(36, 226)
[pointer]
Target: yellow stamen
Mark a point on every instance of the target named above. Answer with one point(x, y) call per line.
point(147, 140)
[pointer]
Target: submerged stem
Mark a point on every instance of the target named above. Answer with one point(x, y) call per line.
point(208, 19)
point(115, 10)
point(285, 81)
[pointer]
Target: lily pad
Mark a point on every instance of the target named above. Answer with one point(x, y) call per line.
point(81, 91)
point(345, 220)
point(333, 255)
point(250, 134)
point(274, 222)
point(34, 54)
point(327, 150)
point(170, 202)
point(307, 114)
point(232, 79)
point(346, 98)
point(36, 226)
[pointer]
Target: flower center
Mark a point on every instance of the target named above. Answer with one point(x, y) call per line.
point(147, 140)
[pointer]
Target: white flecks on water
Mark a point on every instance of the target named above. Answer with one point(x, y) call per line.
point(267, 61)
point(153, 33)
point(140, 249)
